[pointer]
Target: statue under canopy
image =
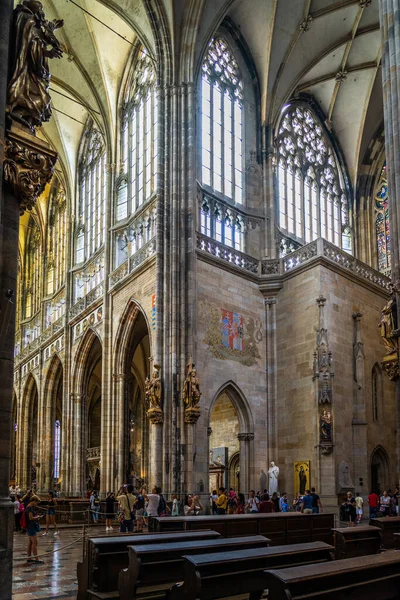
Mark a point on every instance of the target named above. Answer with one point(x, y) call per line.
point(28, 99)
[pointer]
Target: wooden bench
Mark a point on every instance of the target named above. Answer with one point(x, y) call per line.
point(397, 541)
point(106, 556)
point(242, 572)
point(376, 577)
point(280, 528)
point(163, 563)
point(388, 526)
point(356, 541)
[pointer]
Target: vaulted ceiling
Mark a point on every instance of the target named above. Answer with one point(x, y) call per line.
point(327, 48)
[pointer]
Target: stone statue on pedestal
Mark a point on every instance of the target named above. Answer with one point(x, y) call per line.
point(153, 391)
point(191, 395)
point(273, 474)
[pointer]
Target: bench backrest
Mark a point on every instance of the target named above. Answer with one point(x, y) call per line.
point(239, 572)
point(375, 577)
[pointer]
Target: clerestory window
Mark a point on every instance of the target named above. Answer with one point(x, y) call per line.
point(311, 199)
point(33, 261)
point(382, 224)
point(222, 121)
point(92, 193)
point(139, 142)
point(56, 242)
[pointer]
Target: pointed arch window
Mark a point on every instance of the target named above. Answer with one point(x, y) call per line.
point(92, 193)
point(222, 121)
point(139, 141)
point(56, 265)
point(376, 381)
point(310, 187)
point(33, 261)
point(382, 224)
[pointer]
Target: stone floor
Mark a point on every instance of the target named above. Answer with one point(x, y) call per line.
point(56, 578)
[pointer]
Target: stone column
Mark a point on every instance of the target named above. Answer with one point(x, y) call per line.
point(156, 454)
point(389, 11)
point(9, 223)
point(360, 445)
point(245, 440)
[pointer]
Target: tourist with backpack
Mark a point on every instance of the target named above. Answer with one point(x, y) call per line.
point(139, 511)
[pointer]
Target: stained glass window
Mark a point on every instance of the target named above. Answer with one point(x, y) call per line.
point(382, 224)
point(57, 447)
point(33, 262)
point(311, 200)
point(92, 190)
point(56, 241)
point(222, 121)
point(139, 142)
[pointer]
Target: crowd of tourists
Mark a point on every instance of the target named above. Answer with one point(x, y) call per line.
point(230, 502)
point(386, 505)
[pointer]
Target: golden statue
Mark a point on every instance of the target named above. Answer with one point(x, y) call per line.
point(153, 392)
point(28, 100)
point(388, 325)
point(191, 394)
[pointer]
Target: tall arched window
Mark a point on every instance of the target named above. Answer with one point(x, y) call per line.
point(376, 384)
point(33, 262)
point(92, 193)
point(382, 225)
point(222, 121)
point(139, 143)
point(312, 201)
point(56, 241)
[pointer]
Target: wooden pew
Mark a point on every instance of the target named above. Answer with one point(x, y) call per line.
point(163, 563)
point(356, 541)
point(388, 526)
point(280, 528)
point(397, 541)
point(376, 577)
point(106, 556)
point(242, 572)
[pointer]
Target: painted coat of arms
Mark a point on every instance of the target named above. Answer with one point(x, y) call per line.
point(230, 335)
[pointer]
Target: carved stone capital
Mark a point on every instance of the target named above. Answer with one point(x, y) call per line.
point(326, 449)
point(28, 166)
point(119, 376)
point(192, 415)
point(245, 437)
point(155, 416)
point(391, 367)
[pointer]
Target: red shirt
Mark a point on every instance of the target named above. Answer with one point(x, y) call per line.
point(373, 500)
point(266, 506)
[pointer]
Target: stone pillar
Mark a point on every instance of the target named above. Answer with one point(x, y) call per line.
point(360, 445)
point(389, 11)
point(272, 378)
point(119, 382)
point(245, 440)
point(156, 455)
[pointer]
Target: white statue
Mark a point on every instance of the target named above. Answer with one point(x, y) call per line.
point(273, 474)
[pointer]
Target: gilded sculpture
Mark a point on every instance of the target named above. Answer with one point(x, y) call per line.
point(153, 391)
point(191, 394)
point(325, 425)
point(28, 98)
point(389, 335)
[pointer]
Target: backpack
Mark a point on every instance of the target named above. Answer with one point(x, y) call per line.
point(162, 506)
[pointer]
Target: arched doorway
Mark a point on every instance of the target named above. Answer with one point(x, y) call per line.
point(92, 395)
point(29, 435)
point(132, 367)
point(380, 470)
point(230, 440)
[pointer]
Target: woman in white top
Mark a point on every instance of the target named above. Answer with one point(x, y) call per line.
point(152, 507)
point(385, 504)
